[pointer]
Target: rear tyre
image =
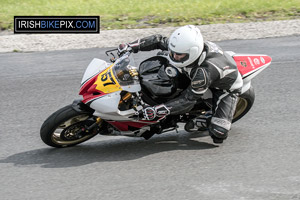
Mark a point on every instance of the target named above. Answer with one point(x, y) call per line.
point(244, 104)
point(60, 129)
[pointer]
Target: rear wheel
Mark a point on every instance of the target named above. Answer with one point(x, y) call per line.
point(62, 127)
point(244, 104)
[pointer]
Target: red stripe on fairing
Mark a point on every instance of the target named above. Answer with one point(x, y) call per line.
point(91, 94)
point(123, 125)
point(88, 90)
point(84, 88)
point(119, 125)
point(248, 63)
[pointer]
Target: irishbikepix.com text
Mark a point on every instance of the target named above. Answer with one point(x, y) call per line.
point(56, 24)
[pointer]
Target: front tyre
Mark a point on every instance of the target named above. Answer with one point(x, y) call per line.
point(244, 104)
point(62, 127)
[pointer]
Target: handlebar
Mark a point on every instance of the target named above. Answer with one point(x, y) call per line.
point(113, 58)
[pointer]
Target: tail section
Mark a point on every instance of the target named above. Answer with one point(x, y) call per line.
point(251, 65)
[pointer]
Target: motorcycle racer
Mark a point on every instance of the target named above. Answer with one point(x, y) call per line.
point(207, 65)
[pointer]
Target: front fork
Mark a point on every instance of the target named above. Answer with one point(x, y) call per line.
point(82, 108)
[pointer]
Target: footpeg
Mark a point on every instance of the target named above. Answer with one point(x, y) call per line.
point(190, 126)
point(200, 123)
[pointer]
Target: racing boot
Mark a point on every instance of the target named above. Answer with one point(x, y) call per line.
point(200, 123)
point(217, 133)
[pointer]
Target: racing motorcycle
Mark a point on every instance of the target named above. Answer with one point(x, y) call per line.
point(113, 94)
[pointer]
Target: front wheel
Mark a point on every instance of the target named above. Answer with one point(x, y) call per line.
point(244, 104)
point(62, 127)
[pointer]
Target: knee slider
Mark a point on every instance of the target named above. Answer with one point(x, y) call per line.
point(217, 131)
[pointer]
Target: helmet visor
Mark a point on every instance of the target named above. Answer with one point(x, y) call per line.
point(178, 57)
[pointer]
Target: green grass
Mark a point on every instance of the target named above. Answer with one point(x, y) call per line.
point(117, 14)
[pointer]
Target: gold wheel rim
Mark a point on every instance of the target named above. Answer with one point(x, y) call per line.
point(240, 107)
point(55, 137)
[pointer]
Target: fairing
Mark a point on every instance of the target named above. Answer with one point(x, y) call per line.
point(251, 64)
point(102, 85)
point(88, 87)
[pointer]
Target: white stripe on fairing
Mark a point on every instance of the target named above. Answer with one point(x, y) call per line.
point(94, 99)
point(260, 68)
point(87, 80)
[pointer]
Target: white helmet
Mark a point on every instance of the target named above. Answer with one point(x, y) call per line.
point(185, 46)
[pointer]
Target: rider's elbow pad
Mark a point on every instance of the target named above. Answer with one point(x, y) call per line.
point(200, 81)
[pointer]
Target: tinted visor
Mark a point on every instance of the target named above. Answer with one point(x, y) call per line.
point(178, 57)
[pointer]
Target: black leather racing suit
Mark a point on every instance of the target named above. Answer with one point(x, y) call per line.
point(214, 69)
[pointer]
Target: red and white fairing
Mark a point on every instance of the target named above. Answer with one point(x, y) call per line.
point(249, 65)
point(88, 87)
point(101, 101)
point(106, 104)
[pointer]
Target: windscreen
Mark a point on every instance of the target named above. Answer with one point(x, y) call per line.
point(123, 71)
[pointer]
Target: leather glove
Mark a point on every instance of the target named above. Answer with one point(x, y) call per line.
point(160, 111)
point(123, 48)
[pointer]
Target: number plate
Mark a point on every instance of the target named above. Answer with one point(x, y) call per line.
point(106, 81)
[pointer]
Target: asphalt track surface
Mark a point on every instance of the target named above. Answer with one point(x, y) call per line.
point(259, 160)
